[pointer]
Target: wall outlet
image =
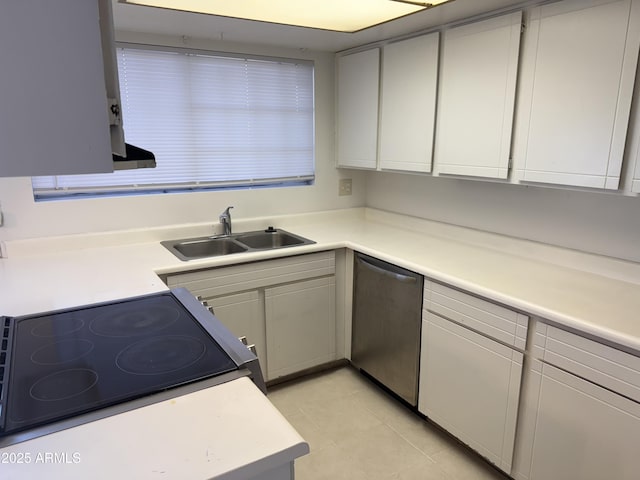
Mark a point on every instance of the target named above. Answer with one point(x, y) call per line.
point(344, 187)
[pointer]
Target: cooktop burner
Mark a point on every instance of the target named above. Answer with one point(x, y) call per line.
point(63, 384)
point(61, 352)
point(137, 321)
point(71, 362)
point(66, 325)
point(157, 355)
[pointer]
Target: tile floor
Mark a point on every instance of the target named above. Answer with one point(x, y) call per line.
point(357, 431)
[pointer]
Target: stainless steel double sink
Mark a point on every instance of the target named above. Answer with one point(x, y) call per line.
point(202, 247)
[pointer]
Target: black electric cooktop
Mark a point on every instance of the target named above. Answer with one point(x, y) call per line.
point(69, 362)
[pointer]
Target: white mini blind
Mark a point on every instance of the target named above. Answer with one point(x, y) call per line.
point(210, 121)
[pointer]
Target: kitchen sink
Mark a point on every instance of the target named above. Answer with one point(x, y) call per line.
point(270, 239)
point(202, 247)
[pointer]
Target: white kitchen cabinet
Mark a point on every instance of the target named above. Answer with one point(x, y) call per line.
point(243, 314)
point(583, 431)
point(581, 411)
point(54, 101)
point(579, 64)
point(357, 105)
point(286, 307)
point(476, 100)
point(470, 382)
point(408, 103)
point(300, 321)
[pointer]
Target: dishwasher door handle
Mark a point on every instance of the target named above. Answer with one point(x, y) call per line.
point(397, 276)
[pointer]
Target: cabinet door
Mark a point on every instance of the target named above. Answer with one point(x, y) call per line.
point(579, 68)
point(301, 325)
point(470, 386)
point(243, 314)
point(477, 95)
point(357, 104)
point(583, 431)
point(54, 108)
point(408, 103)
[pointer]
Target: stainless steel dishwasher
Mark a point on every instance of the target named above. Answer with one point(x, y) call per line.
point(385, 342)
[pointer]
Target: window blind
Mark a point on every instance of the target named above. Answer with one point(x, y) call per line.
point(210, 121)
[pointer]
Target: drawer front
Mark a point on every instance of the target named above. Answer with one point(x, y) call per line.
point(603, 365)
point(493, 320)
point(237, 278)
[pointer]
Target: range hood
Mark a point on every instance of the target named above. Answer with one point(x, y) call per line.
point(136, 157)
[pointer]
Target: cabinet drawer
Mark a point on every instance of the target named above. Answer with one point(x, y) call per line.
point(480, 315)
point(603, 365)
point(248, 276)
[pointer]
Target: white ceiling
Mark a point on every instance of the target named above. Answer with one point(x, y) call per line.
point(137, 18)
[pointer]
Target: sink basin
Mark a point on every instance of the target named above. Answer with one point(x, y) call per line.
point(270, 239)
point(202, 247)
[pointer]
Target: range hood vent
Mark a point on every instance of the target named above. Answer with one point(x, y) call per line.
point(136, 157)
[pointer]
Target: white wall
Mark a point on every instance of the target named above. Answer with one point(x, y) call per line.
point(589, 221)
point(25, 218)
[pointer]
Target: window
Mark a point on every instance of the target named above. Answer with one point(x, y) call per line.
point(212, 121)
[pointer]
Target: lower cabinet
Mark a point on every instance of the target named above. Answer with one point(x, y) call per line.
point(575, 405)
point(580, 415)
point(243, 314)
point(469, 382)
point(301, 325)
point(470, 387)
point(285, 307)
point(582, 431)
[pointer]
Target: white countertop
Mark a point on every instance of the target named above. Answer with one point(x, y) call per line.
point(180, 438)
point(211, 433)
point(596, 295)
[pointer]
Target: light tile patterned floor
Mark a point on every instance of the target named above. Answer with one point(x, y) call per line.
point(357, 431)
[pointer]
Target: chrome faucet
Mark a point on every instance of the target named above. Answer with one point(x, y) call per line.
point(225, 221)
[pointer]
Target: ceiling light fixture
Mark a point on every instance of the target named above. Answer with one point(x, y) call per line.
point(338, 15)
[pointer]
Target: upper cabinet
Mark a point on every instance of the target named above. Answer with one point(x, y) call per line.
point(408, 103)
point(549, 106)
point(54, 113)
point(357, 130)
point(476, 100)
point(579, 64)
